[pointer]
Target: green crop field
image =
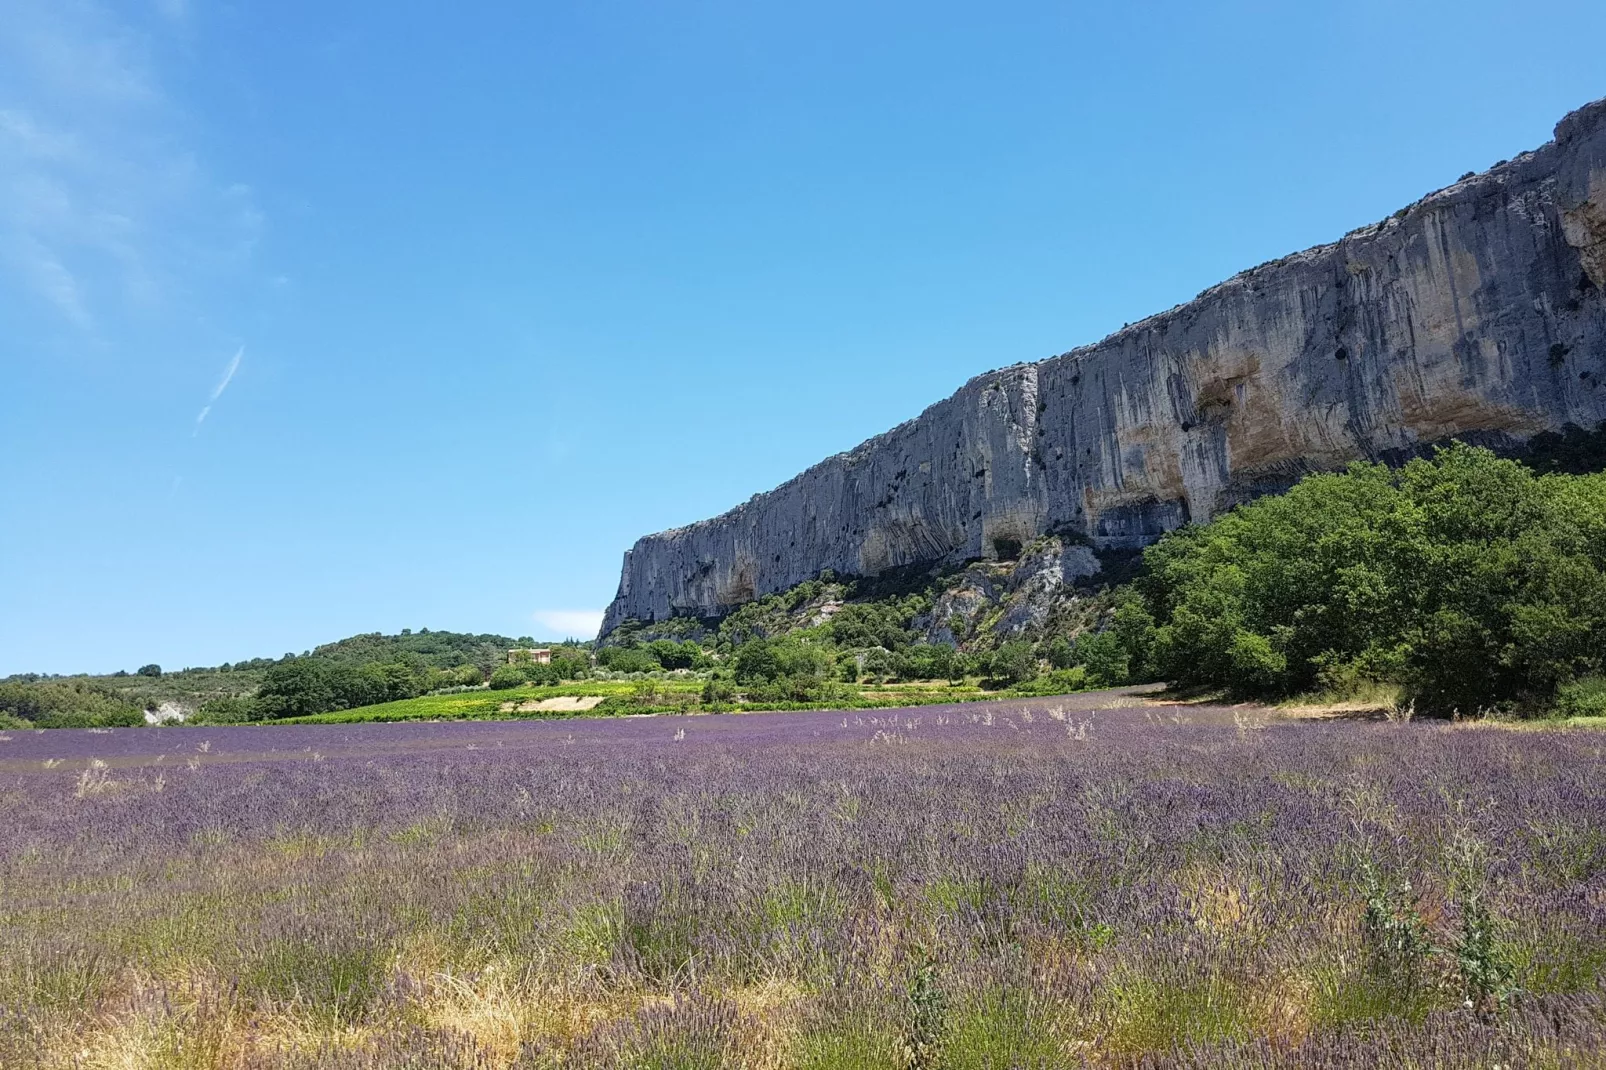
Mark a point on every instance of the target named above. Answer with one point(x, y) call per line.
point(625, 697)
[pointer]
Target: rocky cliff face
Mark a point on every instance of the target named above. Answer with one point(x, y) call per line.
point(1478, 311)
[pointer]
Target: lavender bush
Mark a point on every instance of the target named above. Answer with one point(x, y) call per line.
point(1092, 881)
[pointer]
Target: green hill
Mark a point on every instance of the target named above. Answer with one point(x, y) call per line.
point(408, 663)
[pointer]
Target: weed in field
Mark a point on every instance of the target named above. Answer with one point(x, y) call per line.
point(928, 1015)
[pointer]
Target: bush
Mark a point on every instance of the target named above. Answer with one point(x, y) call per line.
point(571, 663)
point(799, 689)
point(1058, 682)
point(673, 655)
point(1013, 663)
point(771, 659)
point(627, 659)
point(718, 690)
point(878, 665)
point(149, 670)
point(1134, 629)
point(227, 711)
point(874, 624)
point(506, 677)
point(462, 676)
point(925, 661)
point(1583, 698)
point(1059, 653)
point(1103, 657)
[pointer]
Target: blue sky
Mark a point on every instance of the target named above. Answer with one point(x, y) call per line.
point(326, 318)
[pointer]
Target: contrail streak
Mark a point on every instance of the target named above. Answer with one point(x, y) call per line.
point(217, 391)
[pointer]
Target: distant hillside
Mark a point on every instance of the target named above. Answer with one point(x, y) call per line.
point(440, 650)
point(412, 662)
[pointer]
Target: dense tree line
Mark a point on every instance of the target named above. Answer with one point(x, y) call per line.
point(1469, 580)
point(65, 704)
point(436, 649)
point(653, 656)
point(296, 687)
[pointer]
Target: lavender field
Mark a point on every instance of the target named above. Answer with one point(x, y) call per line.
point(1099, 880)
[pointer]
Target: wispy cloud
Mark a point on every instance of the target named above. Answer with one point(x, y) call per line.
point(217, 391)
point(104, 207)
point(569, 623)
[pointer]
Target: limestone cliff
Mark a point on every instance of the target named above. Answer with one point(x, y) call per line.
point(1478, 311)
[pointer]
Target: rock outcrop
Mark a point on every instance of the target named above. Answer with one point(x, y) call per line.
point(994, 601)
point(1479, 311)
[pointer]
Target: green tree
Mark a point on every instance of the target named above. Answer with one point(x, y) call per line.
point(756, 659)
point(1014, 662)
point(67, 704)
point(627, 659)
point(1134, 629)
point(676, 655)
point(507, 677)
point(926, 661)
point(1103, 656)
point(303, 686)
point(1464, 576)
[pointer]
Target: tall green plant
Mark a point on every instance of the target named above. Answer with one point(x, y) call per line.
point(1465, 576)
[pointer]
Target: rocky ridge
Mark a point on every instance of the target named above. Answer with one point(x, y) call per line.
point(1478, 312)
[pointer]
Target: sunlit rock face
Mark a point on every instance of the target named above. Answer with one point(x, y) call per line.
point(1479, 311)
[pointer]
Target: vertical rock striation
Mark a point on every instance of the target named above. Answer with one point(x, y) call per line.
point(1478, 311)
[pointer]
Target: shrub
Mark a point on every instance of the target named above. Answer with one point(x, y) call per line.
point(1134, 629)
point(1583, 698)
point(1058, 682)
point(1103, 657)
point(627, 659)
point(227, 711)
point(1059, 653)
point(507, 677)
point(879, 665)
point(870, 624)
point(463, 676)
point(571, 663)
point(301, 686)
point(1013, 663)
point(926, 661)
point(717, 690)
point(673, 655)
point(772, 659)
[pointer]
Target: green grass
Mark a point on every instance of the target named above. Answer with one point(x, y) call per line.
point(673, 695)
point(487, 704)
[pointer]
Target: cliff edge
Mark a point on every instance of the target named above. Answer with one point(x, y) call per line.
point(1479, 311)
